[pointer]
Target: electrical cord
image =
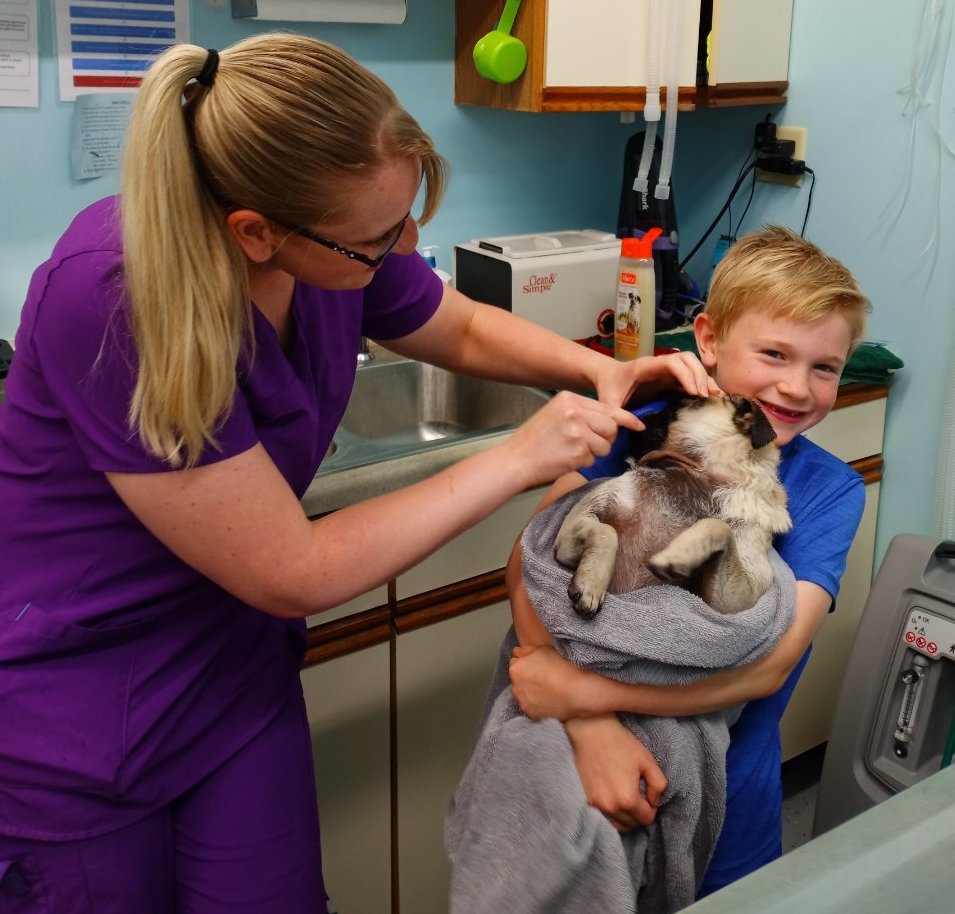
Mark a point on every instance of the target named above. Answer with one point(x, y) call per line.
point(812, 187)
point(729, 211)
point(752, 192)
point(729, 200)
point(749, 167)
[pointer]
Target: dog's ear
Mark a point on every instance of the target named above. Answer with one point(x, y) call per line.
point(751, 421)
point(657, 426)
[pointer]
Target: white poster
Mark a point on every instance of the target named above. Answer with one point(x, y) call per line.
point(19, 60)
point(106, 46)
point(99, 125)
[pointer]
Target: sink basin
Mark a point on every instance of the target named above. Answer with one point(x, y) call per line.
point(405, 407)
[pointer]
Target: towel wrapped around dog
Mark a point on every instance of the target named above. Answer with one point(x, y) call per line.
point(520, 834)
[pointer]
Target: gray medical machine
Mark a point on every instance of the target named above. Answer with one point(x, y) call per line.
point(895, 720)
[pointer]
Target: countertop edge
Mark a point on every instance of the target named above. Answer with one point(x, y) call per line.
point(331, 491)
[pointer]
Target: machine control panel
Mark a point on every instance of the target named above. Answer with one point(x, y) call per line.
point(929, 634)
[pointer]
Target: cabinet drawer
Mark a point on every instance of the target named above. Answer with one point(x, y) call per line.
point(852, 432)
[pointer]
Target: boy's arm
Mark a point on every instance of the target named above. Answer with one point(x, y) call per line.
point(611, 761)
point(619, 775)
point(547, 685)
point(527, 627)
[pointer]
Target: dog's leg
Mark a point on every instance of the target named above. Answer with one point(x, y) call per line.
point(690, 550)
point(588, 544)
point(741, 574)
point(728, 584)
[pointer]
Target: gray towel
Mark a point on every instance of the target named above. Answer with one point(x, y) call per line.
point(520, 834)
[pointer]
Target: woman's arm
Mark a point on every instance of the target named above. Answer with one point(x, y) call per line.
point(238, 522)
point(472, 338)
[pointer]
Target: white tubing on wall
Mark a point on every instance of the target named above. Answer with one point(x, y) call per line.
point(651, 108)
point(662, 190)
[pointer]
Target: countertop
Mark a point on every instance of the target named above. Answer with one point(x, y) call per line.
point(894, 858)
point(331, 491)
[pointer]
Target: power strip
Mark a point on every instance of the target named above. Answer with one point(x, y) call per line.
point(784, 138)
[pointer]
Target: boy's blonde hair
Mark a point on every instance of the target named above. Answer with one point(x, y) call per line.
point(284, 120)
point(784, 276)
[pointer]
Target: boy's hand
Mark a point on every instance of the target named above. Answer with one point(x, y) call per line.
point(619, 775)
point(646, 377)
point(548, 685)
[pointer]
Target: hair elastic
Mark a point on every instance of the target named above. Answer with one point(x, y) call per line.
point(207, 75)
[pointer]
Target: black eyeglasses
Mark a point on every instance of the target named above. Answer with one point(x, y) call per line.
point(355, 255)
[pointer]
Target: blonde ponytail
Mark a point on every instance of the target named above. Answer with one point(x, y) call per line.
point(283, 120)
point(185, 277)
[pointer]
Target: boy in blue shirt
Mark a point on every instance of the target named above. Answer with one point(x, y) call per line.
point(781, 320)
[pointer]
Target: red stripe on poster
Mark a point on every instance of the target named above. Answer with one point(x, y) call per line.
point(106, 82)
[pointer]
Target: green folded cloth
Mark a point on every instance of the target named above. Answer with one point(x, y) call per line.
point(870, 362)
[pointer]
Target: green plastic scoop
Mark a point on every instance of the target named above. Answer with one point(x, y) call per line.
point(499, 55)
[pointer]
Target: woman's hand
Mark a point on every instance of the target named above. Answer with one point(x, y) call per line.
point(567, 433)
point(618, 382)
point(548, 685)
point(619, 775)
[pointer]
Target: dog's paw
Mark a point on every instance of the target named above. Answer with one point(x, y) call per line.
point(569, 546)
point(585, 600)
point(672, 568)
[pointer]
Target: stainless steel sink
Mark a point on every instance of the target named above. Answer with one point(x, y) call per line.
point(408, 407)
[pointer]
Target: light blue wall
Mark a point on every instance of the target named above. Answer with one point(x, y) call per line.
point(517, 172)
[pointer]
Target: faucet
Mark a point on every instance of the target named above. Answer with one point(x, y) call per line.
point(365, 355)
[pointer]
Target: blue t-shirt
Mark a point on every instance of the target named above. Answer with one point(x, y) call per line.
point(826, 499)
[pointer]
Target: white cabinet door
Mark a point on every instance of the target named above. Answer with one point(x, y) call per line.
point(606, 43)
point(852, 432)
point(750, 41)
point(808, 717)
point(349, 706)
point(443, 673)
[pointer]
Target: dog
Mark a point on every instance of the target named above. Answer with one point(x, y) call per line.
point(699, 512)
point(630, 317)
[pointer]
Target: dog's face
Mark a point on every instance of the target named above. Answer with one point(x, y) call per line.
point(702, 422)
point(720, 426)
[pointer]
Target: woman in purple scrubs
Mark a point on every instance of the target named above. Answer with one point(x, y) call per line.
point(182, 362)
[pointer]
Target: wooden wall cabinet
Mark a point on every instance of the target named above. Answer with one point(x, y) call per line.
point(593, 56)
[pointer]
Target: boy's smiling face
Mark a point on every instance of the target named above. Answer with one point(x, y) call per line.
point(791, 367)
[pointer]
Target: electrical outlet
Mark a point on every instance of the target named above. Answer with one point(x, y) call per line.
point(798, 135)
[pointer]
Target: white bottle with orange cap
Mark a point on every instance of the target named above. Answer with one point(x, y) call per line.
point(634, 321)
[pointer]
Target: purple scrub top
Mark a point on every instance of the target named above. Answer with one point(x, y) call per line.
point(125, 675)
